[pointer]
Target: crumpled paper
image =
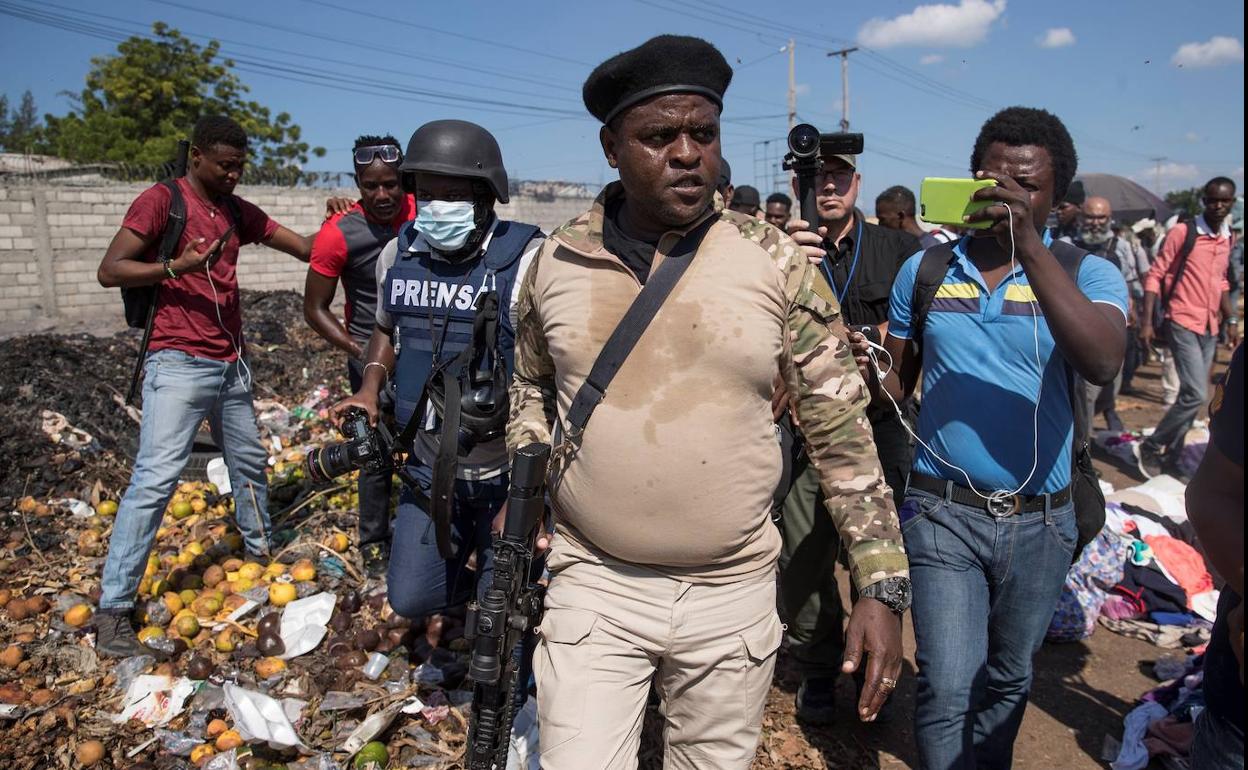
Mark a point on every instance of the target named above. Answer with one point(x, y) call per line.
point(304, 623)
point(257, 717)
point(154, 700)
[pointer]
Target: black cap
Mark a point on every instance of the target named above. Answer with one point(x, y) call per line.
point(1075, 194)
point(745, 195)
point(725, 173)
point(667, 64)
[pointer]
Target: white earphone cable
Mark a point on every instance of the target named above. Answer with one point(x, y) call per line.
point(999, 495)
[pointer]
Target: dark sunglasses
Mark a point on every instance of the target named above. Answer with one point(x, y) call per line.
point(387, 152)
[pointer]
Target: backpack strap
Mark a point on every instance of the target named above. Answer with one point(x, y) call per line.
point(1070, 257)
point(175, 224)
point(933, 266)
point(1189, 243)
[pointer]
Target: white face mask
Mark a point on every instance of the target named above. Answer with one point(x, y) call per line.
point(446, 225)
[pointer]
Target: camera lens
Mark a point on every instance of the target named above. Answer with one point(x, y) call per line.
point(328, 462)
point(804, 140)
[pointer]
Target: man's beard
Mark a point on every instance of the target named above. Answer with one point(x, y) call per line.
point(1095, 237)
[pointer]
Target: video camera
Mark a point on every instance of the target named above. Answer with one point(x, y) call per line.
point(367, 448)
point(807, 148)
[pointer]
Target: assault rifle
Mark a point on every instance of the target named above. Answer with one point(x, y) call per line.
point(508, 611)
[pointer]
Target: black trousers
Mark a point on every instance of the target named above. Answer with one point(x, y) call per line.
point(374, 488)
point(892, 444)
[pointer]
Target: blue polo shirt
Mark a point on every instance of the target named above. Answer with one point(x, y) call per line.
point(980, 381)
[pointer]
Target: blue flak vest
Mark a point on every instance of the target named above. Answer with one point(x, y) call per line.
point(433, 303)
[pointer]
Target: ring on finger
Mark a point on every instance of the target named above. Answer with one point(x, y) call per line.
point(888, 684)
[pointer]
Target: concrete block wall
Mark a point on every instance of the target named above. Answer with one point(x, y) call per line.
point(52, 238)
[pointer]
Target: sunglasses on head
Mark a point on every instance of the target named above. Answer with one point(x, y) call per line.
point(387, 152)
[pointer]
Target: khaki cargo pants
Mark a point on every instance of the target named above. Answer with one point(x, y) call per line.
point(609, 630)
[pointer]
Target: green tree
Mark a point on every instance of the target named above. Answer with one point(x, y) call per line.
point(1186, 200)
point(20, 131)
point(138, 103)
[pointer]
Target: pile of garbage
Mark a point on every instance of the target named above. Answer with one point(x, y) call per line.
point(294, 661)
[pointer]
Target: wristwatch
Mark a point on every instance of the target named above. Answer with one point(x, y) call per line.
point(893, 593)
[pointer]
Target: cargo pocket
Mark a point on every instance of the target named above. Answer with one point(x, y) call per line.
point(560, 664)
point(759, 644)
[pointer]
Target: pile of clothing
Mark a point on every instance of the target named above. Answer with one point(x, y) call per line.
point(1163, 725)
point(1123, 446)
point(1142, 576)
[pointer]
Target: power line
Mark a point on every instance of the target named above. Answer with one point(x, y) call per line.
point(283, 71)
point(364, 45)
point(460, 35)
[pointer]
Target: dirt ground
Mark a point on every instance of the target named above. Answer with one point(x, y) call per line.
point(1080, 695)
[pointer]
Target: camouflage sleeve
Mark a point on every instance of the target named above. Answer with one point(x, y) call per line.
point(818, 366)
point(532, 395)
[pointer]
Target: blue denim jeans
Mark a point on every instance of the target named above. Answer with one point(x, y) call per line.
point(420, 582)
point(1193, 355)
point(1218, 745)
point(179, 392)
point(984, 592)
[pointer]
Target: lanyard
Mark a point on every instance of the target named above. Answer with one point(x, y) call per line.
point(827, 271)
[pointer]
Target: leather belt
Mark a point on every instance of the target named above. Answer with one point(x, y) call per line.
point(999, 507)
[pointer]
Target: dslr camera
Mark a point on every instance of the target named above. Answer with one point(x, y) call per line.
point(367, 448)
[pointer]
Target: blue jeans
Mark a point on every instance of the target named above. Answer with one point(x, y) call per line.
point(1218, 745)
point(420, 582)
point(1193, 355)
point(984, 592)
point(179, 392)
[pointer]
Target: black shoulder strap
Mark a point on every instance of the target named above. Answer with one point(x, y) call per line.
point(1189, 243)
point(634, 323)
point(1070, 257)
point(175, 225)
point(933, 266)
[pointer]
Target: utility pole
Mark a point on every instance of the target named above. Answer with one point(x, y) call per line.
point(792, 88)
point(844, 54)
point(1157, 184)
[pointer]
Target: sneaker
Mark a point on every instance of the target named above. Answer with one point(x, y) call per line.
point(376, 559)
point(1147, 460)
point(816, 700)
point(115, 637)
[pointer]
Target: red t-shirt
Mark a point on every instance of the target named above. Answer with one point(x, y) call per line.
point(186, 311)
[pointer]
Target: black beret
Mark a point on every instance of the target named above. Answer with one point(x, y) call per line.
point(667, 64)
point(1075, 194)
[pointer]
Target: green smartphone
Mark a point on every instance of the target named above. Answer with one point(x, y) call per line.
point(946, 201)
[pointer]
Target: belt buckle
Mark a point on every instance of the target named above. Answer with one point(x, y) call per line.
point(1001, 507)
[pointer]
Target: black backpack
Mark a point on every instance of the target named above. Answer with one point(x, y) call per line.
point(1085, 488)
point(140, 301)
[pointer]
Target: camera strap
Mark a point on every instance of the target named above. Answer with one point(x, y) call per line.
point(630, 328)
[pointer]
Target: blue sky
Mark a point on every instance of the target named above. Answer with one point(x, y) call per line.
point(927, 78)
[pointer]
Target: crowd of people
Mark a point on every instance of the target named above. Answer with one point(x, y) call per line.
point(913, 402)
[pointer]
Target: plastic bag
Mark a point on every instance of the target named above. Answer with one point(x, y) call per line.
point(258, 717)
point(304, 623)
point(128, 669)
point(341, 701)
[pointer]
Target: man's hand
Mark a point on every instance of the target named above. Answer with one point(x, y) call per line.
point(1147, 333)
point(543, 537)
point(782, 399)
point(361, 400)
point(337, 206)
point(810, 243)
point(876, 630)
point(1016, 219)
point(192, 259)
